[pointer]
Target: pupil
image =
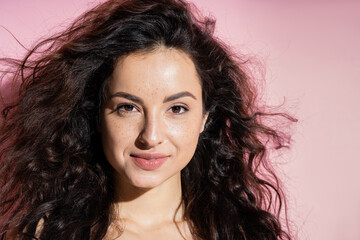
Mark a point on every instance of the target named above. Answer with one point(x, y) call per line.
point(176, 109)
point(128, 107)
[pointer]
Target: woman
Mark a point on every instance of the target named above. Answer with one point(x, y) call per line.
point(135, 123)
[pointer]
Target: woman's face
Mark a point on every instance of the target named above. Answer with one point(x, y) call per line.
point(153, 117)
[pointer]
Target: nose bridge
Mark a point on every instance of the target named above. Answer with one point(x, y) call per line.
point(152, 132)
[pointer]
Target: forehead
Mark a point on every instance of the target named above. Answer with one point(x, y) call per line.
point(163, 69)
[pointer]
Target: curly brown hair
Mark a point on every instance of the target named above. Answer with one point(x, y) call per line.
point(52, 166)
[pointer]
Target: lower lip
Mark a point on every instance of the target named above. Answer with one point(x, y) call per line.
point(148, 164)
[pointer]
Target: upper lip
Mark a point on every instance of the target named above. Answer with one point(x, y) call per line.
point(149, 155)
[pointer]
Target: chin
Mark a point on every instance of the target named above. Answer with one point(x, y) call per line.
point(146, 182)
point(152, 180)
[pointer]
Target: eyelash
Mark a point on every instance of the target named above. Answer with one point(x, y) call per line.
point(120, 109)
point(184, 109)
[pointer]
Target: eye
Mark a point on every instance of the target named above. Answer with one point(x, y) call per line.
point(126, 108)
point(178, 109)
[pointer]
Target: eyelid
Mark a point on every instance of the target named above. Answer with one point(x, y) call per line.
point(119, 106)
point(184, 106)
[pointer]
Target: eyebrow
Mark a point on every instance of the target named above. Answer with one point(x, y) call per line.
point(127, 96)
point(140, 101)
point(179, 95)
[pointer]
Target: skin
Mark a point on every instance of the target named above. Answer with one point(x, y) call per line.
point(154, 106)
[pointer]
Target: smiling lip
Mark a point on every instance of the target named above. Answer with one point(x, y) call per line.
point(149, 161)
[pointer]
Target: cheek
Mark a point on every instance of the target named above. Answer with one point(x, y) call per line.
point(185, 134)
point(116, 134)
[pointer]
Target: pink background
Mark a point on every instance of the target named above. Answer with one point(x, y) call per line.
point(311, 50)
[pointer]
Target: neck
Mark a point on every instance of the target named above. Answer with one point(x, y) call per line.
point(150, 207)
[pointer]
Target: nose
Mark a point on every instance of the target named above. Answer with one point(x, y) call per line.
point(152, 131)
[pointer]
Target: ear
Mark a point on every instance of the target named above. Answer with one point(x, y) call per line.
point(205, 117)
